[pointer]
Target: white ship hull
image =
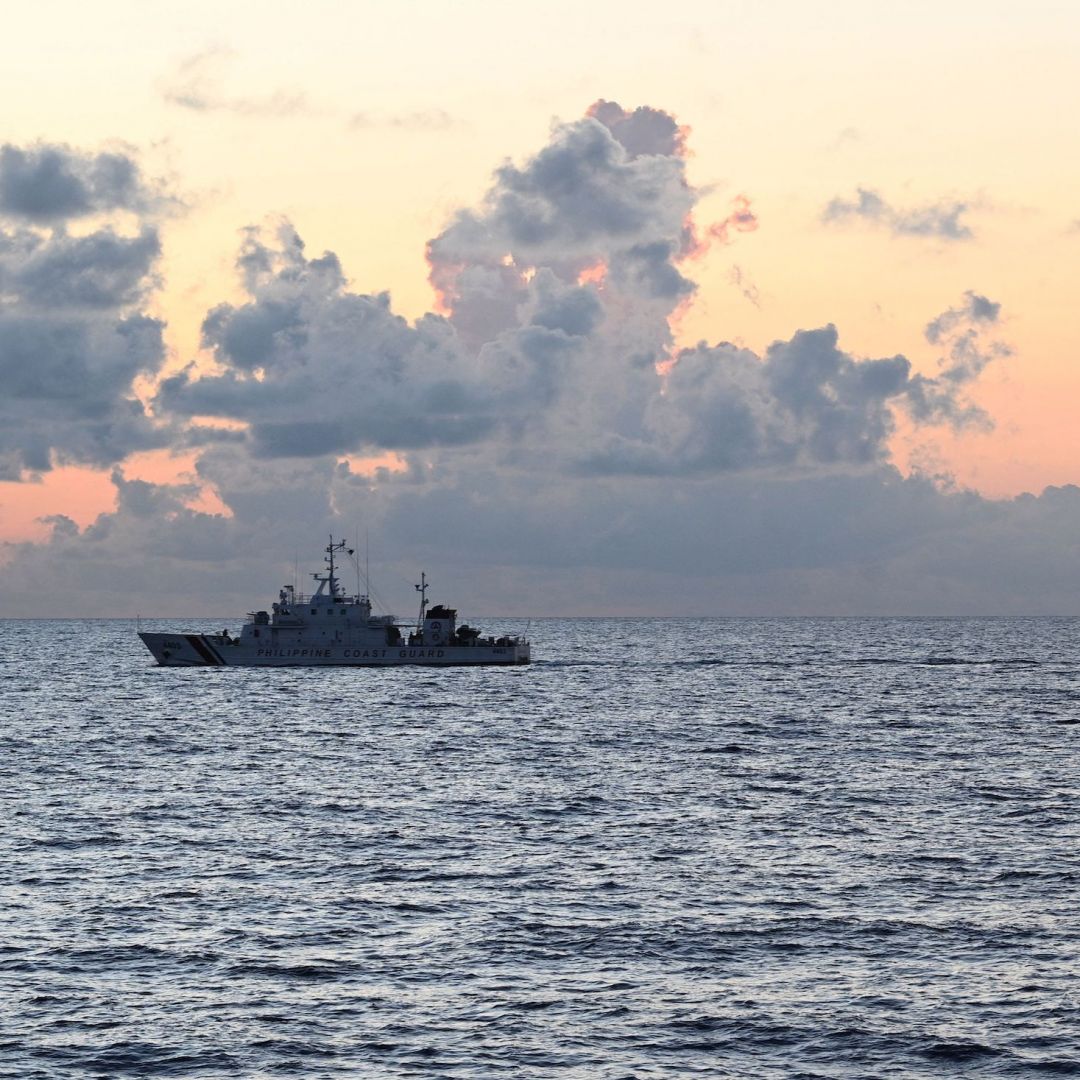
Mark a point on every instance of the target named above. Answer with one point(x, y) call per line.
point(213, 650)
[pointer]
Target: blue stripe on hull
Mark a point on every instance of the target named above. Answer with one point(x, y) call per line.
point(204, 650)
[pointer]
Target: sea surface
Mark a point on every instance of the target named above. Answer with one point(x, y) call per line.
point(669, 848)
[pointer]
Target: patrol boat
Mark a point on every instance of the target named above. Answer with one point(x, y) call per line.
point(329, 628)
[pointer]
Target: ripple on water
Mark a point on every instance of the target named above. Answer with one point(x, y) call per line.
point(678, 848)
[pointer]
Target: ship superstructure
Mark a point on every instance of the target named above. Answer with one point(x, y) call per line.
point(329, 627)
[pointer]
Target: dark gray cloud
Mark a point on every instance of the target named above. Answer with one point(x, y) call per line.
point(976, 311)
point(317, 369)
point(73, 332)
point(964, 333)
point(871, 542)
point(804, 403)
point(101, 270)
point(573, 310)
point(942, 220)
point(608, 193)
point(642, 130)
point(45, 183)
point(649, 270)
point(67, 389)
point(582, 193)
point(966, 336)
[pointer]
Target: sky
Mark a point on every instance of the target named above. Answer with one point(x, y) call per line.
point(728, 309)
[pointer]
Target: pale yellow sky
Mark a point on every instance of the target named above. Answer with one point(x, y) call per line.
point(791, 104)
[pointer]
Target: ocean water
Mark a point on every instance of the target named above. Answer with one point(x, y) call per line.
point(669, 848)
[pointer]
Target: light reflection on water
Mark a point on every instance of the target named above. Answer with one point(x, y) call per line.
point(668, 848)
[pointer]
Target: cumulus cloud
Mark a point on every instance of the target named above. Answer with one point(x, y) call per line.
point(46, 184)
point(100, 271)
point(588, 199)
point(314, 368)
point(556, 287)
point(942, 220)
point(67, 382)
point(557, 294)
point(805, 403)
point(73, 330)
point(642, 131)
point(549, 434)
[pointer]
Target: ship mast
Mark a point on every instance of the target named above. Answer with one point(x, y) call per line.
point(422, 590)
point(330, 579)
